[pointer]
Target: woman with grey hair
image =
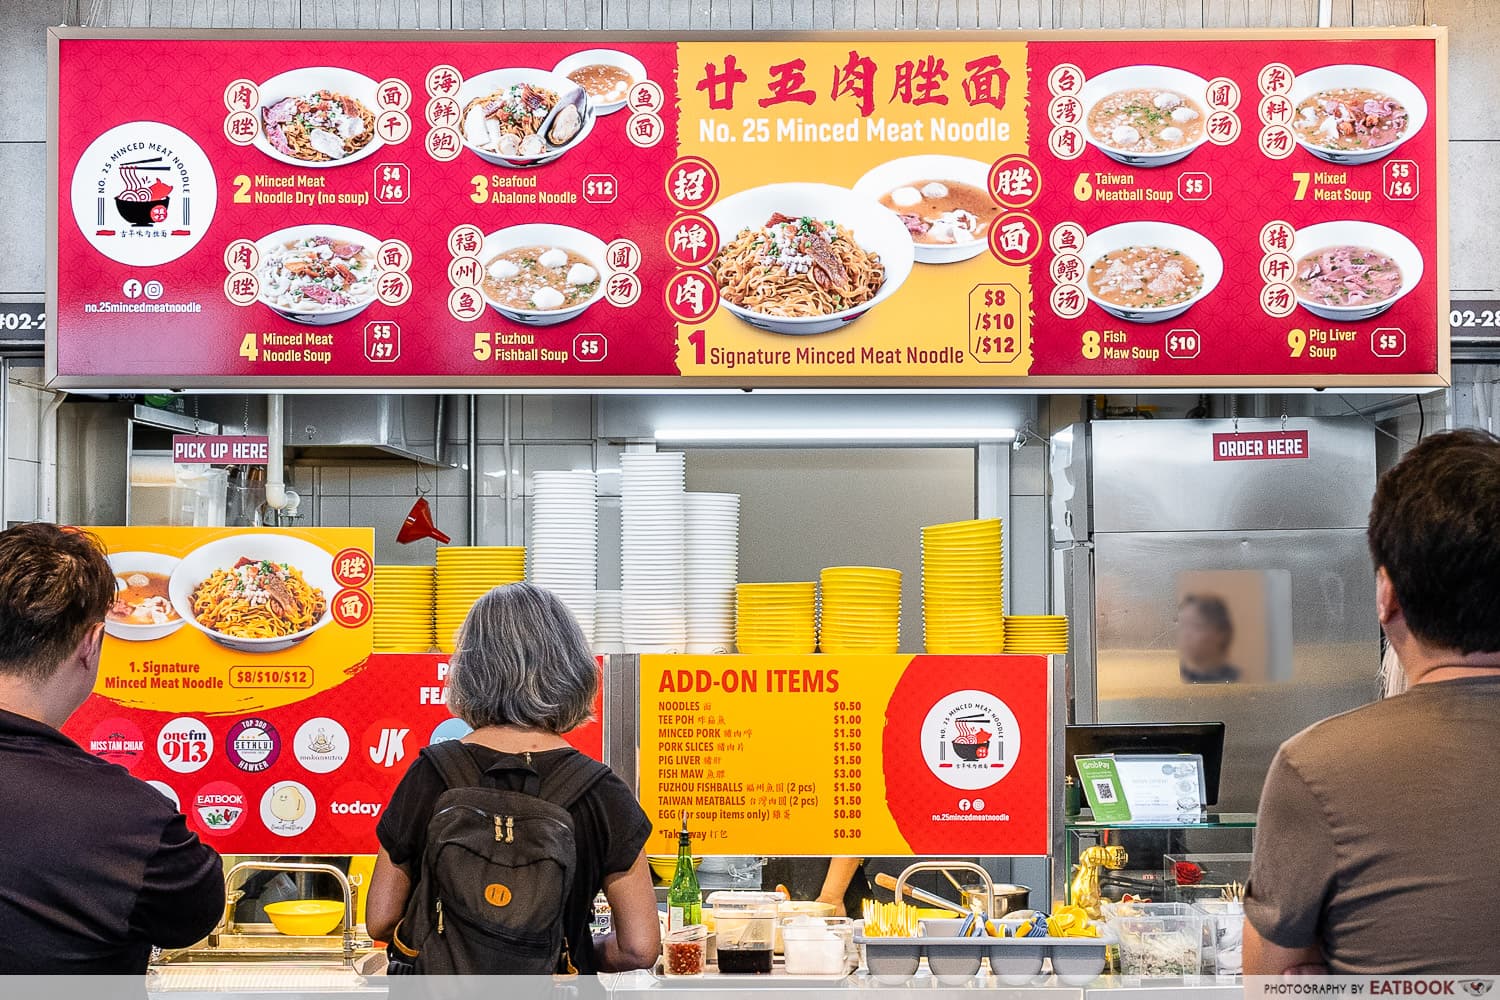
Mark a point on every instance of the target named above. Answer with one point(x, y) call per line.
point(522, 677)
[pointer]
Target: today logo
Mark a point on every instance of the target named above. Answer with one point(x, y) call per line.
point(356, 808)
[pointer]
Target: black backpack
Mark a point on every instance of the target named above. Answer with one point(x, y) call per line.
point(498, 867)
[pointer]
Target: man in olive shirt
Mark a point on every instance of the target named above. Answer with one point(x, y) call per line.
point(95, 866)
point(1375, 852)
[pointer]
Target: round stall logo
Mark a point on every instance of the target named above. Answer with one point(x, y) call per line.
point(252, 745)
point(450, 729)
point(220, 807)
point(970, 740)
point(118, 741)
point(144, 194)
point(321, 745)
point(168, 792)
point(184, 745)
point(287, 809)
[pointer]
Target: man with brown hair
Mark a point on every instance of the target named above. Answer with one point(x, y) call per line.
point(95, 866)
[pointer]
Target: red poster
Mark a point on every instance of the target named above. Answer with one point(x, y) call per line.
point(310, 777)
point(976, 209)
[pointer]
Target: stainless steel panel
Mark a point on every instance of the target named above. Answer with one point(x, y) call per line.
point(1334, 631)
point(1154, 475)
point(363, 427)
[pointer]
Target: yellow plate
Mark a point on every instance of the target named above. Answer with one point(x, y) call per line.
point(664, 866)
point(306, 917)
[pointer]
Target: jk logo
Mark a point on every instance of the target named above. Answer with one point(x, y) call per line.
point(391, 749)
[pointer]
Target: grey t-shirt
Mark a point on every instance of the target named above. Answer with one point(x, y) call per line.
point(1376, 836)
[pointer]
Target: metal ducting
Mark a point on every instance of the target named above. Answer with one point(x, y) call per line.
point(362, 428)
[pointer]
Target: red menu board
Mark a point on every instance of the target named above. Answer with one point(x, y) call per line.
point(976, 209)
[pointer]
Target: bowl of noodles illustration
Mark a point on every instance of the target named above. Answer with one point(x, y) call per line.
point(318, 116)
point(256, 593)
point(807, 258)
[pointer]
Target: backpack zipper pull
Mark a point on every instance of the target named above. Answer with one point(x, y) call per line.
point(510, 829)
point(499, 829)
point(440, 916)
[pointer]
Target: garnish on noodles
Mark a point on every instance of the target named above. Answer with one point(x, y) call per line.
point(797, 266)
point(318, 127)
point(257, 599)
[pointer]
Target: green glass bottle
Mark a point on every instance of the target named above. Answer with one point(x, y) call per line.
point(684, 898)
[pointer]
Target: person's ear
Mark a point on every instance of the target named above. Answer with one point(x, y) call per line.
point(89, 650)
point(1386, 604)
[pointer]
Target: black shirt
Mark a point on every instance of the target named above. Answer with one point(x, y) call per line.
point(609, 828)
point(95, 866)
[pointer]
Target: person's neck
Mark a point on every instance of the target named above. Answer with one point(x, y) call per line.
point(19, 697)
point(1461, 670)
point(516, 739)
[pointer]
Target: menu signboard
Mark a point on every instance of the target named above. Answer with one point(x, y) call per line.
point(976, 209)
point(847, 755)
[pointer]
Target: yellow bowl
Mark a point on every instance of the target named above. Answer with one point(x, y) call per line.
point(664, 866)
point(306, 917)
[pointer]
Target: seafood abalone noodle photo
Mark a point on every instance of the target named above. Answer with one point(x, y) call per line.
point(942, 212)
point(319, 126)
point(508, 121)
point(1146, 120)
point(317, 274)
point(796, 267)
point(1347, 276)
point(1350, 118)
point(540, 279)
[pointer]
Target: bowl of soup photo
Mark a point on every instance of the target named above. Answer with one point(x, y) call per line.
point(1148, 272)
point(941, 200)
point(142, 609)
point(1354, 114)
point(1145, 116)
point(607, 75)
point(1348, 271)
point(542, 274)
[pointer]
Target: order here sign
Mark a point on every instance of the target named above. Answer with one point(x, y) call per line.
point(1260, 446)
point(238, 449)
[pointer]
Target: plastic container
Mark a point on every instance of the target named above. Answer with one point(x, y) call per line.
point(952, 965)
point(685, 951)
point(817, 946)
point(746, 933)
point(894, 960)
point(795, 908)
point(1224, 935)
point(1160, 939)
point(1018, 964)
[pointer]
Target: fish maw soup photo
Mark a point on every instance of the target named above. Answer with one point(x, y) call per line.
point(1147, 272)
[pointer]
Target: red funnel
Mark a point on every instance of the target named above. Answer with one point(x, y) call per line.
point(418, 525)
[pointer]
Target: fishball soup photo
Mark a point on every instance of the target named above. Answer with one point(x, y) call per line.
point(1145, 116)
point(142, 609)
point(541, 275)
point(943, 201)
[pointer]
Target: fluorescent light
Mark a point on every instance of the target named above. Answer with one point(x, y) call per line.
point(831, 435)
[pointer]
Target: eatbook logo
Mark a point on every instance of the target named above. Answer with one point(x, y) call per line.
point(970, 739)
point(1478, 987)
point(389, 749)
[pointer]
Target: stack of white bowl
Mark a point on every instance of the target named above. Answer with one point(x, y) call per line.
point(564, 540)
point(713, 568)
point(653, 549)
point(609, 625)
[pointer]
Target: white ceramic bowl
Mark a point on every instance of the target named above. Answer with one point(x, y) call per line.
point(141, 562)
point(1369, 78)
point(1160, 234)
point(1130, 78)
point(591, 248)
point(876, 229)
point(606, 57)
point(1364, 234)
point(309, 317)
point(303, 81)
point(892, 174)
point(315, 563)
point(496, 79)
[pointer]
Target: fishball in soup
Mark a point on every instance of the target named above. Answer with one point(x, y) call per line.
point(1146, 120)
point(1145, 277)
point(532, 279)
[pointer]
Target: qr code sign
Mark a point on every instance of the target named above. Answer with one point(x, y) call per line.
point(1104, 790)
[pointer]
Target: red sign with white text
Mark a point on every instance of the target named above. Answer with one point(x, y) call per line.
point(1260, 446)
point(1247, 208)
point(309, 777)
point(220, 449)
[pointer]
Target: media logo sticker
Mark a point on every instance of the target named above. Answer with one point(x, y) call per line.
point(287, 809)
point(118, 741)
point(970, 740)
point(321, 745)
point(219, 808)
point(252, 745)
point(385, 743)
point(450, 729)
point(185, 745)
point(168, 793)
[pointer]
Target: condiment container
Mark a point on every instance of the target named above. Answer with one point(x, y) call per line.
point(817, 946)
point(1224, 935)
point(746, 931)
point(952, 965)
point(684, 951)
point(1160, 939)
point(798, 907)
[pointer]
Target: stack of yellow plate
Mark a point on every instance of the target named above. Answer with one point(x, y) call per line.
point(962, 574)
point(465, 573)
point(403, 609)
point(1043, 634)
point(776, 617)
point(861, 610)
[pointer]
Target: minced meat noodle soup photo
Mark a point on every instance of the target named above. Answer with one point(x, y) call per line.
point(539, 279)
point(1146, 120)
point(1145, 277)
point(1346, 276)
point(1350, 118)
point(942, 212)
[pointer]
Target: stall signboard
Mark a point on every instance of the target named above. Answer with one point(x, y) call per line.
point(308, 776)
point(1055, 209)
point(847, 755)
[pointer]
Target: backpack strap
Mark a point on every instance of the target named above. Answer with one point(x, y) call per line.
point(572, 779)
point(454, 764)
